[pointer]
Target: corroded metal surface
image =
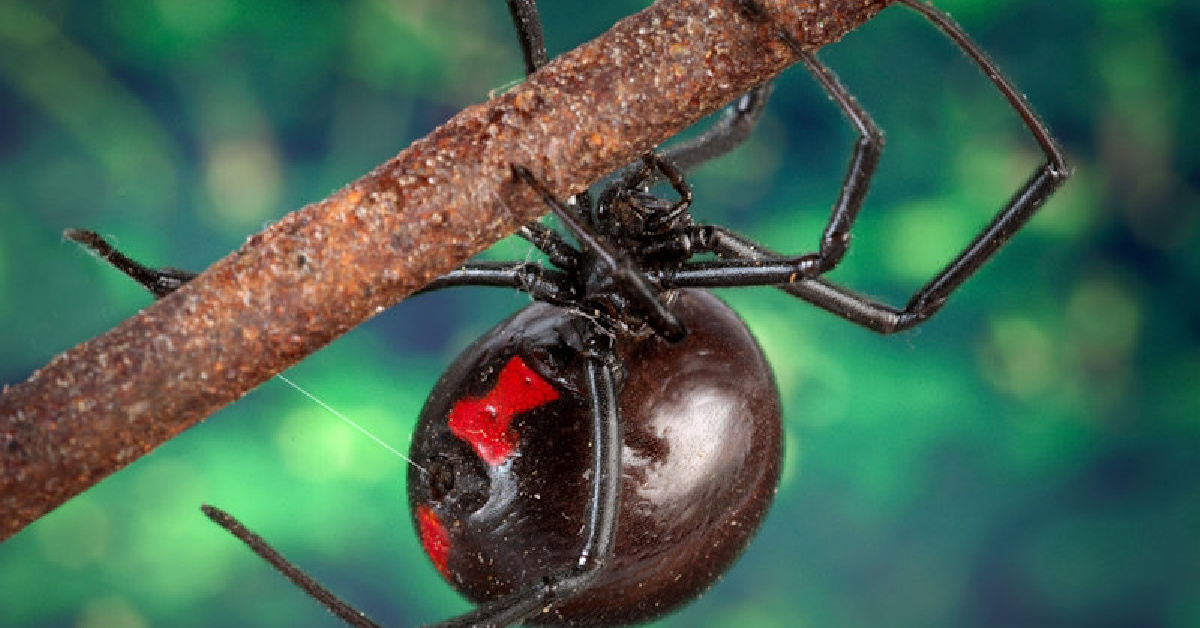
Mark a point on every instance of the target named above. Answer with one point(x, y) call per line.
point(322, 270)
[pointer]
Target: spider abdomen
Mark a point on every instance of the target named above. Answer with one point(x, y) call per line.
point(505, 441)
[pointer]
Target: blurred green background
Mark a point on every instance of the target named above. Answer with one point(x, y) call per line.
point(1031, 457)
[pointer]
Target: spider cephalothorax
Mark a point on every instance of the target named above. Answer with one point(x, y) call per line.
point(641, 231)
point(658, 231)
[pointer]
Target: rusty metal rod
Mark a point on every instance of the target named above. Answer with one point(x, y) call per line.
point(328, 267)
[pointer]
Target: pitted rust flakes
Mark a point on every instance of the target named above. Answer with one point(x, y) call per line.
point(100, 405)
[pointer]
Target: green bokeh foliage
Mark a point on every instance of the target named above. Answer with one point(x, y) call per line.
point(1030, 457)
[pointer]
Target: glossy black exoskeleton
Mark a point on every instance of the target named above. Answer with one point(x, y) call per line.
point(605, 454)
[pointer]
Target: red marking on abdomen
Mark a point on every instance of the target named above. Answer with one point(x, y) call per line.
point(483, 423)
point(434, 539)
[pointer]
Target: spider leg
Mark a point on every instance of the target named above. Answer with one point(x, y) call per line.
point(630, 279)
point(600, 524)
point(529, 31)
point(758, 266)
point(548, 241)
point(159, 281)
point(316, 590)
point(543, 284)
point(1021, 207)
point(734, 126)
point(867, 149)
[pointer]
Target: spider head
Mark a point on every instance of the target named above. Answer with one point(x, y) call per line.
point(625, 212)
point(650, 227)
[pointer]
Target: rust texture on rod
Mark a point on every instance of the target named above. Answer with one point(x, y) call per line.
point(326, 268)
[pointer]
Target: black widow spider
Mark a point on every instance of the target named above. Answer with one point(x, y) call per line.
point(606, 453)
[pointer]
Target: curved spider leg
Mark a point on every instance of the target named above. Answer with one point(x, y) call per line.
point(1021, 207)
point(863, 160)
point(159, 281)
point(735, 125)
point(726, 134)
point(600, 522)
point(758, 266)
point(624, 273)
